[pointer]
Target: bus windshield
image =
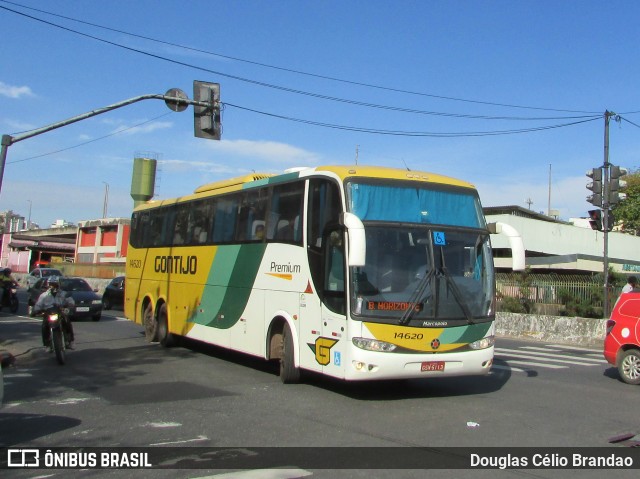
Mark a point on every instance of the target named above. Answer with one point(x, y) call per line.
point(428, 259)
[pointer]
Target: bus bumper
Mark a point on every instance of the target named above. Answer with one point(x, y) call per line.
point(369, 365)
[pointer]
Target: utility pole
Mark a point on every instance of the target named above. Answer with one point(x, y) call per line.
point(549, 200)
point(605, 216)
point(605, 187)
point(105, 206)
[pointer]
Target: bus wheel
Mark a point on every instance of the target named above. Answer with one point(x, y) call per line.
point(164, 336)
point(289, 373)
point(150, 324)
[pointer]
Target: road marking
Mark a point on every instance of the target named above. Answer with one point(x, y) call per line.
point(535, 364)
point(163, 424)
point(261, 474)
point(507, 368)
point(65, 402)
point(20, 321)
point(17, 375)
point(197, 439)
point(577, 348)
point(516, 353)
point(548, 357)
point(590, 353)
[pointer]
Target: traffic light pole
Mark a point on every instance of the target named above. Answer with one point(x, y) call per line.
point(605, 215)
point(177, 101)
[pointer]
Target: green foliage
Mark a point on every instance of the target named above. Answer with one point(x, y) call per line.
point(583, 308)
point(574, 302)
point(627, 212)
point(511, 305)
point(523, 303)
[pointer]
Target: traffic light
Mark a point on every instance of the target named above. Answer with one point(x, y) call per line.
point(610, 220)
point(206, 119)
point(595, 186)
point(615, 172)
point(595, 219)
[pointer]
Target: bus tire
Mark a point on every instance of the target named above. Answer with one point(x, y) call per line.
point(150, 324)
point(289, 373)
point(164, 336)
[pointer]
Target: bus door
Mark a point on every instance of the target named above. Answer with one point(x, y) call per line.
point(331, 349)
point(322, 311)
point(323, 307)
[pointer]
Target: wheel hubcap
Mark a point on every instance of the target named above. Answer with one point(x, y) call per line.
point(631, 367)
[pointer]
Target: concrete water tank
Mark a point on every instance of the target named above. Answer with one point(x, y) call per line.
point(143, 180)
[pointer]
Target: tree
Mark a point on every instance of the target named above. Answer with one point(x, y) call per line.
point(627, 212)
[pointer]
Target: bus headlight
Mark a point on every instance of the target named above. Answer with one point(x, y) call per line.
point(483, 343)
point(374, 345)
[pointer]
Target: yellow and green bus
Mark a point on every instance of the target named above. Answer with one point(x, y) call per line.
point(356, 272)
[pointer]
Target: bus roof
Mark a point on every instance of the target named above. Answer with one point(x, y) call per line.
point(342, 172)
point(394, 173)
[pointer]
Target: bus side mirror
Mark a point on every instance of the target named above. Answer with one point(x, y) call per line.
point(357, 240)
point(515, 242)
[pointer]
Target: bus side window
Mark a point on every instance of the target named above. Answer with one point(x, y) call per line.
point(333, 294)
point(226, 211)
point(252, 208)
point(286, 210)
point(324, 208)
point(154, 233)
point(180, 231)
point(199, 222)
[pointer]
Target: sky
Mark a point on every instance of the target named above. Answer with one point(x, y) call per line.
point(510, 96)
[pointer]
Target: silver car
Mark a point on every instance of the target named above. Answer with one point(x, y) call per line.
point(38, 273)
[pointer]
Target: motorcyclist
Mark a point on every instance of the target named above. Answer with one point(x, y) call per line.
point(6, 283)
point(55, 297)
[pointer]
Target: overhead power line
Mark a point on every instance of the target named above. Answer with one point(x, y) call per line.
point(411, 133)
point(91, 141)
point(292, 90)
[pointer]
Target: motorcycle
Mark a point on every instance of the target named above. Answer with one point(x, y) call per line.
point(58, 334)
point(10, 297)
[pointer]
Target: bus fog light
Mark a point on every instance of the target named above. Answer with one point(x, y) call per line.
point(359, 365)
point(483, 343)
point(374, 345)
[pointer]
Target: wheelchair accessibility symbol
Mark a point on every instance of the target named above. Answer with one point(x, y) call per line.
point(439, 238)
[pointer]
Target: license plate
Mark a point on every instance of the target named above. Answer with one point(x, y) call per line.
point(82, 309)
point(432, 366)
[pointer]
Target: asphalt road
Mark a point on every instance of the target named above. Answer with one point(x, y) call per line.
point(116, 390)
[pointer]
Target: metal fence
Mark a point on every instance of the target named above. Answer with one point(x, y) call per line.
point(545, 288)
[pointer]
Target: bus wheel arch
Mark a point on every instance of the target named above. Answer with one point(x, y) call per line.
point(282, 346)
point(165, 338)
point(149, 321)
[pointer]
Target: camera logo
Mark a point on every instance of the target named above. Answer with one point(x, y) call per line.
point(23, 457)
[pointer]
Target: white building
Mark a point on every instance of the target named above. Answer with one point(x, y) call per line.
point(552, 244)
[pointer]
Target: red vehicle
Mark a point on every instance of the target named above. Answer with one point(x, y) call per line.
point(622, 340)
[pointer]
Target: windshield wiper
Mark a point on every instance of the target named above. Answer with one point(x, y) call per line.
point(455, 290)
point(413, 302)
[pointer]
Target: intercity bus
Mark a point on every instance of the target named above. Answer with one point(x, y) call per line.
point(356, 272)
